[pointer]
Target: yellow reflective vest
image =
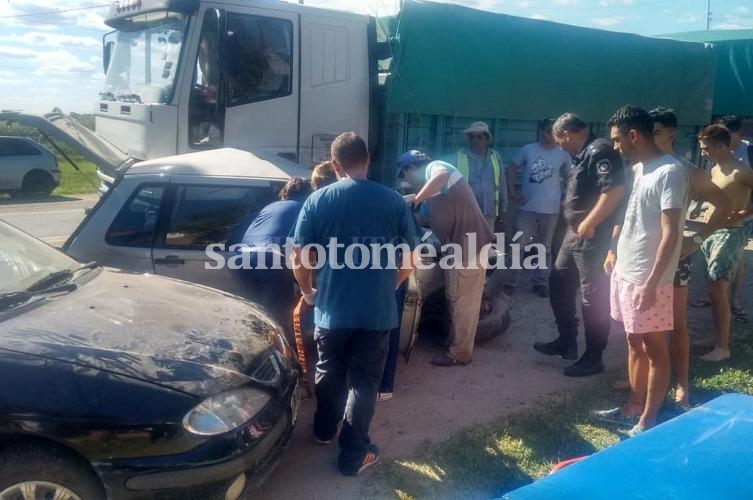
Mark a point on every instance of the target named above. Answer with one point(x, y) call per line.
point(496, 170)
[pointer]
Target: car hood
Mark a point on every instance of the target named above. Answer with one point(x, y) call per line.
point(179, 335)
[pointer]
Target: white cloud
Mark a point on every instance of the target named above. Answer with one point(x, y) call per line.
point(52, 40)
point(524, 4)
point(688, 19)
point(540, 17)
point(50, 14)
point(728, 26)
point(60, 62)
point(606, 22)
point(57, 62)
point(17, 52)
point(742, 10)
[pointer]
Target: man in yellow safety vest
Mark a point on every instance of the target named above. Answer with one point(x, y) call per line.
point(481, 166)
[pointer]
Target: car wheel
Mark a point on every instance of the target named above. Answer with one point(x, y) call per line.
point(494, 318)
point(37, 183)
point(40, 472)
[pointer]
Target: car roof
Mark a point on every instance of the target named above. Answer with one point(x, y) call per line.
point(224, 162)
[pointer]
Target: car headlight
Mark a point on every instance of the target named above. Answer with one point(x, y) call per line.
point(225, 412)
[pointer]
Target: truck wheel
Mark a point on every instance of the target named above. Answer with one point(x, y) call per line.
point(37, 183)
point(38, 471)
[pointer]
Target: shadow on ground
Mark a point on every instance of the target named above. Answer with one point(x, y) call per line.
point(24, 200)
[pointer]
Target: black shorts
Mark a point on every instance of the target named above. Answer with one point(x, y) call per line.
point(682, 275)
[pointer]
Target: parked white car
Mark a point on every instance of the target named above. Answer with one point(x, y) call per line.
point(27, 167)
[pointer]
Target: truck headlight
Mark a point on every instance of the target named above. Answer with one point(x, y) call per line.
point(225, 412)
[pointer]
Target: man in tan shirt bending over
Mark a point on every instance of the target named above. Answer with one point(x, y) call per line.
point(724, 247)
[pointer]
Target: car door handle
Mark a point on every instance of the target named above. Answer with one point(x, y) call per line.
point(170, 260)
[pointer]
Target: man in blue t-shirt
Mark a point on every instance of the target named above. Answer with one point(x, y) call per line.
point(268, 282)
point(340, 227)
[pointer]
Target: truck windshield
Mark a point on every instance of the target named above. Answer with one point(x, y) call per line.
point(144, 59)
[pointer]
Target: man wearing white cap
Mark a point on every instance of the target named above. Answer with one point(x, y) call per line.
point(482, 168)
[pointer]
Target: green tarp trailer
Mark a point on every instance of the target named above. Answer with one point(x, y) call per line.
point(452, 65)
point(733, 86)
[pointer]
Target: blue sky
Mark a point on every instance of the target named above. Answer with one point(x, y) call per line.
point(54, 59)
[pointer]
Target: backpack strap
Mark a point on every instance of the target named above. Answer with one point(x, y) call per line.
point(299, 347)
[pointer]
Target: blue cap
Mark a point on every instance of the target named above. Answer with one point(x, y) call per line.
point(411, 157)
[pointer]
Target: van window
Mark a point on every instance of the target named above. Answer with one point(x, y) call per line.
point(17, 147)
point(262, 58)
point(204, 215)
point(136, 223)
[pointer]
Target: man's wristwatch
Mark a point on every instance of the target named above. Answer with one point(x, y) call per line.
point(697, 239)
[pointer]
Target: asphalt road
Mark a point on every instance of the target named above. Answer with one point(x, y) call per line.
point(51, 219)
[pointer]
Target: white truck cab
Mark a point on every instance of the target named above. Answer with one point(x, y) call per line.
point(271, 77)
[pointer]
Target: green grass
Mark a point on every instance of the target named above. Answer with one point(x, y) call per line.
point(73, 181)
point(488, 461)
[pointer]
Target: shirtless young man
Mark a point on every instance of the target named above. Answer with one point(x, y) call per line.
point(723, 248)
point(701, 188)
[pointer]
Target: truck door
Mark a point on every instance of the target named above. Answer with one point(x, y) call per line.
point(260, 62)
point(245, 86)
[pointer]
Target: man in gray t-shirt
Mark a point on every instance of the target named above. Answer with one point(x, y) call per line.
point(543, 166)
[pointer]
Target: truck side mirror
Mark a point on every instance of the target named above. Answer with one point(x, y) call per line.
point(106, 54)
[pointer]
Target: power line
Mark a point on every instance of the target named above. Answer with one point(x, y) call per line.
point(55, 11)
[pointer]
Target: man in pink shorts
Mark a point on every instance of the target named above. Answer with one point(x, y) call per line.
point(647, 254)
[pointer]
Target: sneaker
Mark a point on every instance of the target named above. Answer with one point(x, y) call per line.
point(615, 416)
point(585, 366)
point(541, 291)
point(446, 360)
point(384, 396)
point(554, 348)
point(636, 429)
point(323, 441)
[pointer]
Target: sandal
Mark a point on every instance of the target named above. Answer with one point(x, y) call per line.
point(370, 458)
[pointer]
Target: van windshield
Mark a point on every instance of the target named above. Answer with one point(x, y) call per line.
point(144, 58)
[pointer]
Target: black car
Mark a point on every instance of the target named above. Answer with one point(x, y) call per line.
point(119, 385)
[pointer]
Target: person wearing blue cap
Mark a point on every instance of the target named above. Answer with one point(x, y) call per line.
point(457, 221)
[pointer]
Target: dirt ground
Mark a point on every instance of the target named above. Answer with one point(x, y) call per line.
point(431, 404)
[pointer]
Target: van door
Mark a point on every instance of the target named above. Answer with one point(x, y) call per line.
point(204, 214)
point(260, 64)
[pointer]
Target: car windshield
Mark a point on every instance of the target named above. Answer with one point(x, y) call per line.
point(144, 59)
point(26, 261)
